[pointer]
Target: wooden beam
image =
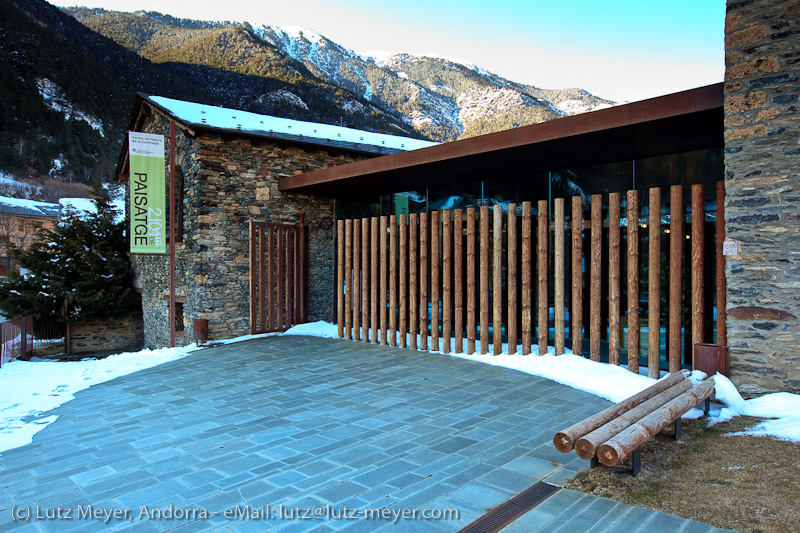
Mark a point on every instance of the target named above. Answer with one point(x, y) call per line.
point(458, 282)
point(340, 278)
point(527, 282)
point(497, 280)
point(698, 266)
point(413, 280)
point(393, 227)
point(374, 279)
point(447, 288)
point(484, 273)
point(577, 275)
point(654, 287)
point(403, 296)
point(596, 283)
point(423, 281)
point(676, 238)
point(542, 261)
point(384, 269)
point(435, 273)
point(558, 275)
point(365, 279)
point(613, 277)
point(511, 327)
point(471, 281)
point(633, 281)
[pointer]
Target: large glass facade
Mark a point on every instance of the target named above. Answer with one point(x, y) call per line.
point(685, 169)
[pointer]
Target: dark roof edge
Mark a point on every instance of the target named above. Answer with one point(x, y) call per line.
point(671, 105)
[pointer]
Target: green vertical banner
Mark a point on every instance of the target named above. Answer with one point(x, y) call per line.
point(148, 206)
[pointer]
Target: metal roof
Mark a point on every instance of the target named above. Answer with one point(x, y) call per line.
point(31, 208)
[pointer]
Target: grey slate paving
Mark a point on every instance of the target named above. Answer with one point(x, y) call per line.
point(300, 421)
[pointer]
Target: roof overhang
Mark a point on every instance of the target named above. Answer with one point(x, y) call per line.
point(146, 106)
point(684, 121)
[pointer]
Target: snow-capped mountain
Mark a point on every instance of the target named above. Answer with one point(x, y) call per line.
point(441, 97)
point(73, 73)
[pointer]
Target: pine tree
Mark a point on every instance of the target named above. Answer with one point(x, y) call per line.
point(79, 270)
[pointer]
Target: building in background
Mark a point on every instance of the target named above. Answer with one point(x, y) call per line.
point(20, 222)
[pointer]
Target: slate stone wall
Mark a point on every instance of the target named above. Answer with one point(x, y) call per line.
point(126, 333)
point(229, 181)
point(762, 155)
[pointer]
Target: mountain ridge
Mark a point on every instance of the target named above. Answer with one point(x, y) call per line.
point(70, 76)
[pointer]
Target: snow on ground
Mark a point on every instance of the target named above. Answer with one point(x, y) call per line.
point(32, 388)
point(615, 383)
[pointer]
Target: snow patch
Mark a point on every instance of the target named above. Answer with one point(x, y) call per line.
point(477, 104)
point(11, 187)
point(31, 388)
point(56, 99)
point(379, 57)
point(283, 96)
point(575, 107)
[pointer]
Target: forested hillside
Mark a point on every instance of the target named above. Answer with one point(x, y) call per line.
point(68, 79)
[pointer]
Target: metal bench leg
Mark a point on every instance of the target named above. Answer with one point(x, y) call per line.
point(707, 408)
point(637, 462)
point(678, 428)
point(594, 462)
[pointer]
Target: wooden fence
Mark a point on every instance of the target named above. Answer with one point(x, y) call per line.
point(278, 274)
point(450, 276)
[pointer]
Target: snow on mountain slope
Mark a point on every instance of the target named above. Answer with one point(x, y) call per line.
point(56, 99)
point(480, 103)
point(439, 96)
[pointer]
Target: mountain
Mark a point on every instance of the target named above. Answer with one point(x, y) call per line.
point(66, 91)
point(69, 77)
point(443, 98)
point(240, 69)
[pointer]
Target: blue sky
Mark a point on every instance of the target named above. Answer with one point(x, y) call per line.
point(624, 50)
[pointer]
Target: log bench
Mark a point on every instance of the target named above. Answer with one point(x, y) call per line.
point(619, 431)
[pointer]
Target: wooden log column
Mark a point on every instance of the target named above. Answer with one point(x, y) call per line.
point(497, 280)
point(654, 286)
point(576, 314)
point(633, 281)
point(527, 285)
point(542, 263)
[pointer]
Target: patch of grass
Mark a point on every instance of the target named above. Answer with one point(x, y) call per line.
point(735, 482)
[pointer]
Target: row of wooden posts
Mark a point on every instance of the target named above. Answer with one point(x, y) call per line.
point(391, 268)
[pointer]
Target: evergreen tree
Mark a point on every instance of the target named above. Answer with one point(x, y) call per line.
point(79, 270)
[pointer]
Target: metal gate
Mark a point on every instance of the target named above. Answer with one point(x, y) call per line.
point(278, 276)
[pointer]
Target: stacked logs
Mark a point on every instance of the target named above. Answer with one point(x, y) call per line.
point(618, 431)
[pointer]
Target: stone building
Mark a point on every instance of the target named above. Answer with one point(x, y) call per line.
point(20, 222)
point(762, 154)
point(227, 168)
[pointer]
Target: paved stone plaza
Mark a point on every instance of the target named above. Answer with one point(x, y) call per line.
point(277, 426)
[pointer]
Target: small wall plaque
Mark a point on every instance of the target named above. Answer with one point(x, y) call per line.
point(730, 248)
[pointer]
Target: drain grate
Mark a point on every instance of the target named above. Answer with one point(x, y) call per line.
point(505, 513)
